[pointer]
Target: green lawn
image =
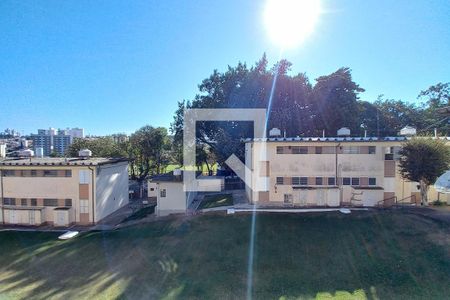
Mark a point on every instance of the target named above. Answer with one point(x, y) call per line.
point(172, 167)
point(383, 255)
point(211, 201)
point(140, 214)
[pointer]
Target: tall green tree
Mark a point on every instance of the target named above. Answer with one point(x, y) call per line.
point(149, 151)
point(423, 160)
point(100, 147)
point(436, 97)
point(335, 99)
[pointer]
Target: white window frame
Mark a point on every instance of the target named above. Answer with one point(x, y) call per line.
point(84, 206)
point(84, 176)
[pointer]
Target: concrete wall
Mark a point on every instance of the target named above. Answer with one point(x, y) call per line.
point(23, 216)
point(175, 200)
point(45, 187)
point(111, 187)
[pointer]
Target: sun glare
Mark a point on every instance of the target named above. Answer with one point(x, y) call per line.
point(289, 22)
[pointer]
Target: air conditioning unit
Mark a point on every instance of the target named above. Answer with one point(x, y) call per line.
point(85, 153)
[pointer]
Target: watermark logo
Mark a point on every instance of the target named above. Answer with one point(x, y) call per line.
point(191, 117)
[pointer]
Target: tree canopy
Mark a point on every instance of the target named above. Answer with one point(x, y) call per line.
point(423, 160)
point(301, 108)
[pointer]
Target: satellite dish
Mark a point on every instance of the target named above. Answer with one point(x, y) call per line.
point(442, 184)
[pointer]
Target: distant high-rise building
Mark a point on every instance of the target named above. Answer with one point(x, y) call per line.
point(76, 133)
point(52, 140)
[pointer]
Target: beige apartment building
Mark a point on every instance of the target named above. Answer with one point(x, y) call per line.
point(327, 172)
point(61, 191)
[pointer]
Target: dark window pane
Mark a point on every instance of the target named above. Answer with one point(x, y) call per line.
point(346, 181)
point(50, 202)
point(9, 201)
point(303, 180)
point(280, 180)
point(372, 181)
point(331, 181)
point(319, 180)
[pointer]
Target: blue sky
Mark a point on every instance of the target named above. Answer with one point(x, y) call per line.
point(114, 66)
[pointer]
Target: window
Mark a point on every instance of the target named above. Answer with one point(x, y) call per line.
point(350, 150)
point(288, 198)
point(331, 181)
point(318, 150)
point(280, 150)
point(23, 202)
point(33, 202)
point(163, 193)
point(84, 176)
point(50, 173)
point(8, 173)
point(68, 173)
point(84, 206)
point(68, 202)
point(303, 180)
point(295, 180)
point(299, 150)
point(152, 189)
point(372, 181)
point(389, 156)
point(50, 202)
point(280, 180)
point(319, 180)
point(9, 201)
point(33, 173)
point(372, 149)
point(346, 181)
point(355, 181)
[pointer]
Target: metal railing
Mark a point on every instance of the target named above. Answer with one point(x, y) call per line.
point(387, 202)
point(403, 201)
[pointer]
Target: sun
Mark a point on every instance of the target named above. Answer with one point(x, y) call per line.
point(289, 22)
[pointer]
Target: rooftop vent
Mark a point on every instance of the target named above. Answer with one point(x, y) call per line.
point(408, 131)
point(85, 153)
point(344, 131)
point(275, 132)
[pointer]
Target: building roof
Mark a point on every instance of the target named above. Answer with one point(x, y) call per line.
point(168, 177)
point(333, 139)
point(60, 161)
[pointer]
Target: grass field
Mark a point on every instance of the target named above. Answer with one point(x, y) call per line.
point(172, 167)
point(364, 255)
point(211, 201)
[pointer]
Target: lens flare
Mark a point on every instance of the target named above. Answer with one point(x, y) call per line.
point(289, 22)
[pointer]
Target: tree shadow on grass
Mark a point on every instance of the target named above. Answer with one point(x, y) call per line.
point(366, 255)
